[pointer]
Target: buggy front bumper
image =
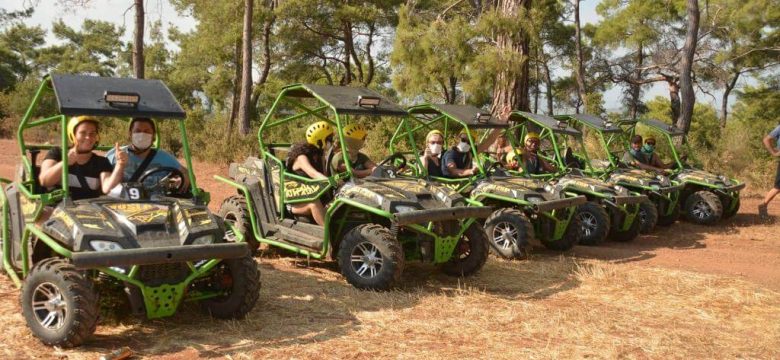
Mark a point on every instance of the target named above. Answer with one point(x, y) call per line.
point(436, 215)
point(559, 204)
point(627, 200)
point(732, 188)
point(158, 255)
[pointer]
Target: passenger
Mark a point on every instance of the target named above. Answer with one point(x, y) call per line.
point(142, 156)
point(643, 156)
point(431, 158)
point(532, 163)
point(354, 138)
point(512, 158)
point(306, 159)
point(457, 162)
point(499, 149)
point(89, 175)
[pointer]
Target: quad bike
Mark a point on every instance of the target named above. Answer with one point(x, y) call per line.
point(157, 243)
point(663, 192)
point(372, 225)
point(525, 212)
point(705, 197)
point(611, 210)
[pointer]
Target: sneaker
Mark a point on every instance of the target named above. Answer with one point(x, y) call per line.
point(762, 212)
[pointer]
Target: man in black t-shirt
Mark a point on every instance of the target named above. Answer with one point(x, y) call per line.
point(89, 175)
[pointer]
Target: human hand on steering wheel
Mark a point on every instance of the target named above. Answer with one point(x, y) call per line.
point(389, 167)
point(168, 183)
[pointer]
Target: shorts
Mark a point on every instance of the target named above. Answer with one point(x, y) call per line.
point(777, 176)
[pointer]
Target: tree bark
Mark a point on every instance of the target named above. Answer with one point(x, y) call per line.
point(581, 90)
point(138, 40)
point(347, 29)
point(548, 87)
point(674, 98)
point(246, 70)
point(724, 107)
point(687, 96)
point(236, 89)
point(636, 88)
point(510, 91)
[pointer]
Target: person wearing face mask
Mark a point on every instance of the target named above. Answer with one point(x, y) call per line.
point(431, 158)
point(89, 175)
point(643, 156)
point(531, 162)
point(142, 156)
point(354, 138)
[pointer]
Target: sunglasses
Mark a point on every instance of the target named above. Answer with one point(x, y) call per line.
point(650, 143)
point(436, 142)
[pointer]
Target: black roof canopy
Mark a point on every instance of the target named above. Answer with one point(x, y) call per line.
point(464, 113)
point(670, 129)
point(557, 126)
point(85, 95)
point(596, 122)
point(345, 99)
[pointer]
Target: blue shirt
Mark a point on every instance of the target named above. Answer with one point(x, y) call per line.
point(161, 158)
point(460, 159)
point(776, 135)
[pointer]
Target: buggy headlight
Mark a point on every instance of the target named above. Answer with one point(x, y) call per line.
point(534, 199)
point(618, 188)
point(404, 209)
point(726, 181)
point(103, 245)
point(203, 240)
point(548, 188)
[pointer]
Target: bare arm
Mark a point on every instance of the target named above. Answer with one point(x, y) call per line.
point(302, 163)
point(459, 172)
point(770, 147)
point(51, 173)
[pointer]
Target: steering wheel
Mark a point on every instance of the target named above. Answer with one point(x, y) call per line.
point(496, 169)
point(388, 167)
point(165, 182)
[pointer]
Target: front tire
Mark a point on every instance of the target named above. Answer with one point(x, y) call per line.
point(730, 213)
point(628, 235)
point(594, 223)
point(59, 303)
point(703, 207)
point(648, 216)
point(570, 237)
point(240, 277)
point(510, 233)
point(470, 253)
point(371, 258)
point(235, 211)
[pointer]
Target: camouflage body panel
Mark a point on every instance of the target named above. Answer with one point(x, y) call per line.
point(529, 190)
point(388, 193)
point(579, 183)
point(638, 177)
point(704, 177)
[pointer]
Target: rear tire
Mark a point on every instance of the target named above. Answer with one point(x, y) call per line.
point(470, 253)
point(59, 303)
point(510, 233)
point(730, 213)
point(703, 207)
point(371, 258)
point(235, 211)
point(648, 216)
point(243, 276)
point(594, 223)
point(570, 237)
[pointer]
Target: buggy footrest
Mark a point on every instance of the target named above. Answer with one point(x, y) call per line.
point(456, 213)
point(559, 204)
point(158, 255)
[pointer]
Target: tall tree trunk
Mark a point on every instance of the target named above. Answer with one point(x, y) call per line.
point(581, 90)
point(138, 40)
point(636, 88)
point(548, 84)
point(674, 98)
point(724, 107)
point(236, 89)
point(536, 82)
point(687, 96)
point(369, 57)
point(510, 90)
point(347, 31)
point(246, 70)
point(453, 90)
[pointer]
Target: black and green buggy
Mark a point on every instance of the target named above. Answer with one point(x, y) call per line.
point(706, 197)
point(159, 244)
point(610, 142)
point(611, 210)
point(526, 211)
point(372, 225)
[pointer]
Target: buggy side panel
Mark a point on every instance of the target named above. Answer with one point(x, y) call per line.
point(16, 224)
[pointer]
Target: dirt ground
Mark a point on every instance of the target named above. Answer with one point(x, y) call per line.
point(683, 291)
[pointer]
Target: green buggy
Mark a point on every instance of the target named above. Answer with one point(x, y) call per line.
point(526, 211)
point(157, 242)
point(372, 225)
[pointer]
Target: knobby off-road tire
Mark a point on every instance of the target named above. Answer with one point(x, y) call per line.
point(648, 216)
point(726, 213)
point(235, 211)
point(371, 258)
point(59, 303)
point(703, 207)
point(510, 233)
point(470, 253)
point(666, 220)
point(570, 237)
point(625, 236)
point(594, 223)
point(241, 277)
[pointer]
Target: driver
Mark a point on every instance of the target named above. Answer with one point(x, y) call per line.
point(354, 139)
point(89, 175)
point(643, 157)
point(431, 158)
point(532, 163)
point(305, 159)
point(457, 161)
point(141, 155)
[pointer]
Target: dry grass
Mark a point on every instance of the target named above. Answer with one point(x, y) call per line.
point(551, 307)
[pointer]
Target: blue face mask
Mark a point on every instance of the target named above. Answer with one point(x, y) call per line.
point(647, 148)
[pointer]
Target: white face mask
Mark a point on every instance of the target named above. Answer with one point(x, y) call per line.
point(435, 148)
point(142, 141)
point(463, 147)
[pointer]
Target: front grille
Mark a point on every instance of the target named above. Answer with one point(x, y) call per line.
point(158, 274)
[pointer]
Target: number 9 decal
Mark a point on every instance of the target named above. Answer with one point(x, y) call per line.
point(134, 193)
